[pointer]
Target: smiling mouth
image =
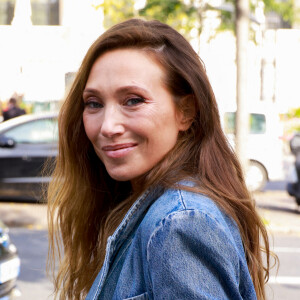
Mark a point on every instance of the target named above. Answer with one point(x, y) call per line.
point(117, 151)
point(118, 147)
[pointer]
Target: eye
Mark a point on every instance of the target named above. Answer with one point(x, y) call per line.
point(134, 101)
point(93, 104)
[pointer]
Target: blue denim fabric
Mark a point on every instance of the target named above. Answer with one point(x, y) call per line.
point(174, 244)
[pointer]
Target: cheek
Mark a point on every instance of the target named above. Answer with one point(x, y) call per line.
point(90, 127)
point(161, 132)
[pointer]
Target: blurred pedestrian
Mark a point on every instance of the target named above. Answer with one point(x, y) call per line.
point(13, 110)
point(147, 197)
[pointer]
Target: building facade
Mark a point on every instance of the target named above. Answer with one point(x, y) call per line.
point(43, 43)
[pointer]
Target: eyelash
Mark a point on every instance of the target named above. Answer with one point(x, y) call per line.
point(94, 104)
point(138, 100)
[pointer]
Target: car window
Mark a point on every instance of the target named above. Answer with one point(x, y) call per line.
point(257, 123)
point(35, 132)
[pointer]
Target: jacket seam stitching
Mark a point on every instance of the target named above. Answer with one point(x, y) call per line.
point(161, 225)
point(175, 213)
point(181, 199)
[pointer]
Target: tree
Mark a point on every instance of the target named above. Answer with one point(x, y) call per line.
point(181, 15)
point(285, 9)
point(185, 15)
point(116, 11)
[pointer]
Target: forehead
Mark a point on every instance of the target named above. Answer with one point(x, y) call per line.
point(128, 59)
point(126, 66)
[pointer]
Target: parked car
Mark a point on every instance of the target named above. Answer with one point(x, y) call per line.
point(264, 144)
point(9, 266)
point(26, 142)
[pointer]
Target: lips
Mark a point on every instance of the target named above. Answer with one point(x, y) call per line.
point(119, 150)
point(118, 147)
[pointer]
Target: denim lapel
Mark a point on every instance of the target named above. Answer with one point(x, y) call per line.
point(126, 228)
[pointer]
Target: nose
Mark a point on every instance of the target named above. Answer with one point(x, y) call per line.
point(112, 122)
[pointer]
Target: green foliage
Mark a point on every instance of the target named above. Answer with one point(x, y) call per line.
point(294, 113)
point(116, 11)
point(176, 13)
point(227, 21)
point(182, 16)
point(284, 8)
point(297, 112)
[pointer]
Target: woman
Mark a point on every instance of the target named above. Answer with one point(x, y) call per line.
point(147, 196)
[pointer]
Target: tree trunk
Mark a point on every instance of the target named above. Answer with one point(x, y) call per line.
point(242, 117)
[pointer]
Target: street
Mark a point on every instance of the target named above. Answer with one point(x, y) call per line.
point(286, 285)
point(28, 230)
point(282, 217)
point(32, 245)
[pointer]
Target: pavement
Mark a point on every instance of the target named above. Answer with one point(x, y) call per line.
point(279, 211)
point(28, 215)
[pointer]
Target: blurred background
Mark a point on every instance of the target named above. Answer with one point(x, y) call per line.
point(42, 45)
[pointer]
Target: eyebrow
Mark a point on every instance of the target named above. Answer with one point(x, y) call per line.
point(131, 87)
point(120, 90)
point(90, 90)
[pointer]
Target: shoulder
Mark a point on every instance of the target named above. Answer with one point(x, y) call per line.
point(187, 237)
point(187, 242)
point(177, 202)
point(191, 213)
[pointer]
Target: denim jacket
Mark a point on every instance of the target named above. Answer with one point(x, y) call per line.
point(174, 244)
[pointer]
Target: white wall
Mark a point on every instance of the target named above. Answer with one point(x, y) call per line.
point(34, 59)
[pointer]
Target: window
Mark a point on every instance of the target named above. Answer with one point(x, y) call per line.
point(257, 123)
point(45, 12)
point(6, 11)
point(35, 132)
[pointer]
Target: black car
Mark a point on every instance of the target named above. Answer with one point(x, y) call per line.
point(9, 265)
point(26, 143)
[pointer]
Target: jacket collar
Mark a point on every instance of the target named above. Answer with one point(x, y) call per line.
point(131, 221)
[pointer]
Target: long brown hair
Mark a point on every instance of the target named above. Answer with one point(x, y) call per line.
point(86, 205)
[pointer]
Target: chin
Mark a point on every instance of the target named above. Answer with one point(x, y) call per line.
point(120, 176)
point(125, 174)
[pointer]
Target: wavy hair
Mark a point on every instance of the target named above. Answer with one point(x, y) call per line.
point(85, 205)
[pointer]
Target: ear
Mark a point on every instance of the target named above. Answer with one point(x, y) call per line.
point(186, 112)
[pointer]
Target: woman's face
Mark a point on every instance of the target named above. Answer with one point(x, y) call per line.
point(129, 116)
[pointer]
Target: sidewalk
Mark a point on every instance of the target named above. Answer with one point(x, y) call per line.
point(29, 215)
point(279, 211)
